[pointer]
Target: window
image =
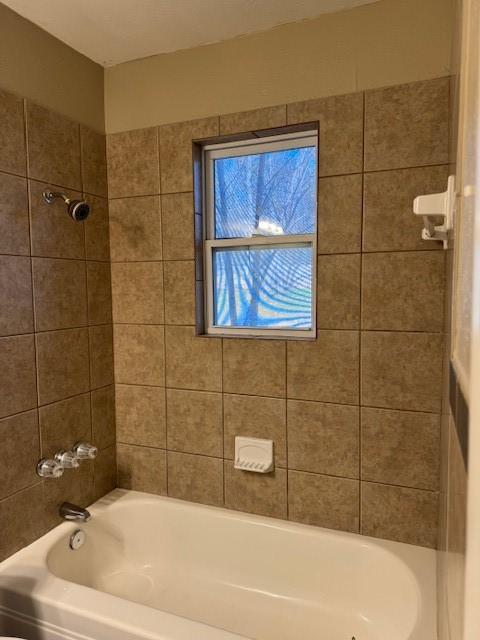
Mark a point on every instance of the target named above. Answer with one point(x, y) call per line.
point(260, 235)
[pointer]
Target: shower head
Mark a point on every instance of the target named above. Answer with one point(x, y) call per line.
point(78, 210)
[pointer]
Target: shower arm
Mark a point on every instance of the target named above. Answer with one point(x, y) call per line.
point(50, 196)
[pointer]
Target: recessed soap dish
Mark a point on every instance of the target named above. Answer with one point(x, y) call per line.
point(253, 454)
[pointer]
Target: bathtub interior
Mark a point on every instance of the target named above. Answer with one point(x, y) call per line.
point(252, 576)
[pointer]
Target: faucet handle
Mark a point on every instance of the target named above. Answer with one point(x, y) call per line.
point(85, 451)
point(49, 468)
point(68, 459)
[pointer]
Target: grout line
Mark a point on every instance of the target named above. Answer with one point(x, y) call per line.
point(33, 255)
point(160, 215)
point(146, 195)
point(337, 253)
point(43, 331)
point(360, 377)
point(223, 421)
point(287, 510)
point(40, 181)
point(281, 467)
point(87, 306)
point(26, 488)
point(170, 193)
point(249, 395)
point(407, 168)
point(273, 338)
point(34, 319)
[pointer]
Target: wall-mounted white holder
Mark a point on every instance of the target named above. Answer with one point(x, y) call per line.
point(253, 454)
point(434, 205)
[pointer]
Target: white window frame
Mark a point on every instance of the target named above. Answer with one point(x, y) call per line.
point(213, 152)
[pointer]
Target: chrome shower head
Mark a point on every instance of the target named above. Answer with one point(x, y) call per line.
point(78, 210)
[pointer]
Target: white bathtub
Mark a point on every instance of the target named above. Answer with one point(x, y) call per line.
point(161, 569)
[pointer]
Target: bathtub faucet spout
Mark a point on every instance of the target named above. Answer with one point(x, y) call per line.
point(70, 511)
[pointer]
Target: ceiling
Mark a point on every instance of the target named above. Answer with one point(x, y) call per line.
point(114, 31)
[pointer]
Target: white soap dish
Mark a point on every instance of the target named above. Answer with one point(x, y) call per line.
point(253, 454)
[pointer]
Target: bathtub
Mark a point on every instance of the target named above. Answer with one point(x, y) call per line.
point(156, 568)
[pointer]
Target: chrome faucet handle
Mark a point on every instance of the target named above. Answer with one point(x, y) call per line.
point(68, 459)
point(85, 451)
point(49, 468)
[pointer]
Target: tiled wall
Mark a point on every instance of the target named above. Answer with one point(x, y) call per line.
point(56, 360)
point(453, 509)
point(454, 439)
point(355, 414)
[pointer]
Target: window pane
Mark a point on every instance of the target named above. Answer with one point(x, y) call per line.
point(263, 287)
point(270, 193)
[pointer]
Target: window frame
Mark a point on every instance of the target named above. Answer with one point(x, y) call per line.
point(264, 144)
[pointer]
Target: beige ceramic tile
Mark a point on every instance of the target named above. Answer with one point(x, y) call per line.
point(21, 520)
point(137, 292)
point(15, 237)
point(340, 130)
point(53, 147)
point(402, 370)
point(397, 513)
point(17, 375)
point(340, 214)
point(388, 221)
point(407, 125)
point(141, 415)
point(19, 452)
point(193, 362)
point(325, 369)
point(105, 471)
point(97, 241)
point(445, 420)
point(261, 493)
point(401, 447)
point(139, 354)
point(195, 478)
point(403, 291)
point(176, 151)
point(177, 226)
point(323, 438)
point(60, 294)
point(54, 234)
point(132, 158)
point(12, 134)
point(99, 293)
point(256, 417)
point(101, 356)
point(142, 469)
point(323, 501)
point(135, 229)
point(76, 487)
point(94, 161)
point(338, 291)
point(254, 120)
point(179, 292)
point(254, 367)
point(16, 313)
point(103, 417)
point(62, 360)
point(195, 422)
point(64, 423)
point(457, 501)
point(456, 536)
